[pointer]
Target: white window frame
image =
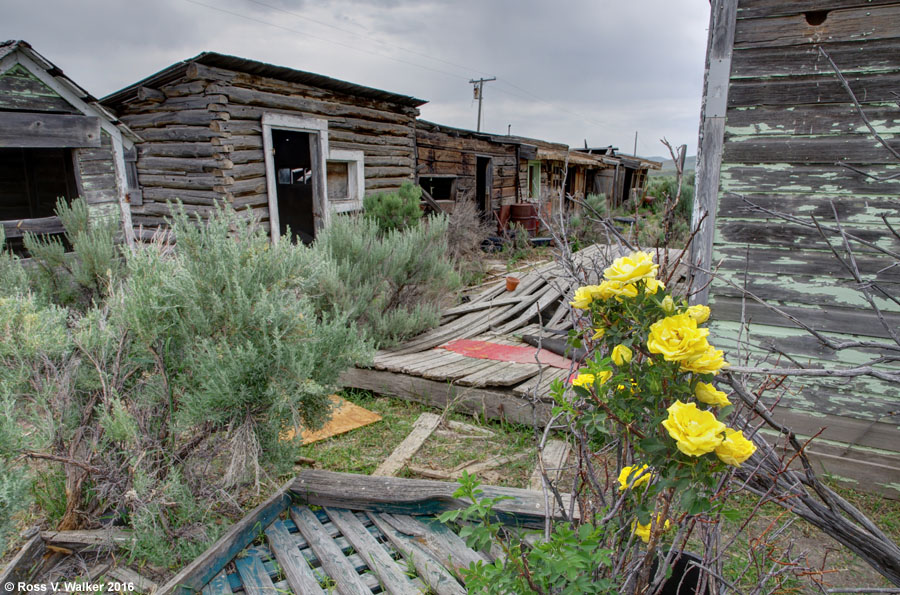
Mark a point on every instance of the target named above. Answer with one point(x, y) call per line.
point(356, 180)
point(317, 126)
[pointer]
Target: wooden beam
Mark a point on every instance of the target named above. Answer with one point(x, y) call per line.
point(431, 202)
point(89, 538)
point(412, 496)
point(422, 429)
point(723, 16)
point(38, 225)
point(21, 567)
point(554, 456)
point(34, 130)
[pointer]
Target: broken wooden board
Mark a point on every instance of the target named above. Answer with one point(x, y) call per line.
point(519, 354)
point(554, 457)
point(345, 416)
point(422, 429)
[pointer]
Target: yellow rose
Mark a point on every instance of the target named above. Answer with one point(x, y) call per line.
point(582, 298)
point(598, 334)
point(615, 289)
point(631, 268)
point(677, 338)
point(668, 304)
point(651, 286)
point(584, 380)
point(709, 362)
point(643, 531)
point(604, 376)
point(700, 313)
point(634, 476)
point(735, 449)
point(707, 393)
point(621, 355)
point(696, 432)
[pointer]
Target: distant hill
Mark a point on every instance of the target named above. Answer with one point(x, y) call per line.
point(668, 166)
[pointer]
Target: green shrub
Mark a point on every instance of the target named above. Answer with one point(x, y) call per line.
point(391, 282)
point(395, 210)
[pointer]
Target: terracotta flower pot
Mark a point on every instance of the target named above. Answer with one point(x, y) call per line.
point(512, 283)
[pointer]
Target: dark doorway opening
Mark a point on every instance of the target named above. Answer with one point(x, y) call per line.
point(483, 185)
point(31, 181)
point(295, 183)
point(440, 188)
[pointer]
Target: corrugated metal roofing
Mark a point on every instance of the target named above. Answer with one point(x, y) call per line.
point(255, 67)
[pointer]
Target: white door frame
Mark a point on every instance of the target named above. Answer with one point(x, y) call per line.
point(317, 126)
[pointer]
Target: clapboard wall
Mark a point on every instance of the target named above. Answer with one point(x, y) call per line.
point(788, 126)
point(202, 131)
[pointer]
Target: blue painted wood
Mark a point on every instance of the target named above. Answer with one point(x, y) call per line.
point(254, 576)
point(218, 586)
point(297, 570)
point(344, 574)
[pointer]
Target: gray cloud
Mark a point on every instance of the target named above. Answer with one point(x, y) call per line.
point(567, 71)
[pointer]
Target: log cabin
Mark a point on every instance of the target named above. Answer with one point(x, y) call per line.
point(782, 133)
point(57, 142)
point(286, 146)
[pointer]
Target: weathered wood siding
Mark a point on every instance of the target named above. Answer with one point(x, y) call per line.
point(442, 152)
point(204, 145)
point(22, 92)
point(788, 124)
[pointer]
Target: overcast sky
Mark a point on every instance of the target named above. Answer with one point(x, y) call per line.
point(567, 71)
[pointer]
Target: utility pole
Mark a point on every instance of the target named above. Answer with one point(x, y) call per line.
point(635, 142)
point(479, 94)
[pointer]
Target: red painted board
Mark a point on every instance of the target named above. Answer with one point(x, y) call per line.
point(519, 354)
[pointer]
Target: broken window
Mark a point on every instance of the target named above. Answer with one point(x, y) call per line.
point(534, 180)
point(439, 187)
point(31, 181)
point(345, 181)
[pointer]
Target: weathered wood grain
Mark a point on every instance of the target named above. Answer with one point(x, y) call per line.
point(880, 56)
point(218, 586)
point(376, 556)
point(787, 178)
point(254, 577)
point(422, 428)
point(860, 23)
point(410, 496)
point(286, 550)
point(438, 540)
point(811, 89)
point(333, 561)
point(857, 149)
point(22, 566)
point(831, 120)
point(555, 454)
point(770, 8)
point(36, 130)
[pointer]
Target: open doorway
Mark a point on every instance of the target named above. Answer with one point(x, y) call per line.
point(294, 181)
point(483, 184)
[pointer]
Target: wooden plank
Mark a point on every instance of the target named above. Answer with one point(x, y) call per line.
point(442, 543)
point(196, 574)
point(554, 455)
point(333, 561)
point(140, 583)
point(36, 130)
point(424, 425)
point(40, 225)
point(438, 578)
point(297, 571)
point(420, 368)
point(851, 210)
point(485, 403)
point(770, 8)
point(457, 368)
point(828, 120)
point(824, 180)
point(542, 381)
point(218, 586)
point(849, 24)
point(506, 374)
point(712, 130)
point(375, 555)
point(23, 565)
point(799, 237)
point(254, 577)
point(860, 149)
point(109, 538)
point(876, 55)
point(808, 89)
point(411, 496)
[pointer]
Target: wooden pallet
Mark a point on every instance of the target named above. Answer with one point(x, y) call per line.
point(356, 534)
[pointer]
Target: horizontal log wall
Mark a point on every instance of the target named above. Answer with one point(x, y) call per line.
point(203, 139)
point(445, 153)
point(789, 124)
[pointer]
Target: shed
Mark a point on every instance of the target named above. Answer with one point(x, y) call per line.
point(780, 133)
point(291, 145)
point(56, 141)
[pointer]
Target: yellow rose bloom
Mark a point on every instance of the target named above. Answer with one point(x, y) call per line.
point(631, 268)
point(635, 476)
point(700, 313)
point(696, 432)
point(582, 298)
point(709, 362)
point(621, 355)
point(651, 286)
point(643, 531)
point(668, 304)
point(707, 393)
point(615, 289)
point(735, 449)
point(677, 338)
point(584, 380)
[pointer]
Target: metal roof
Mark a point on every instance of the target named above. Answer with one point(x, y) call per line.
point(255, 67)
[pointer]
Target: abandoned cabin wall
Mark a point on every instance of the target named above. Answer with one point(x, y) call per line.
point(448, 164)
point(204, 143)
point(788, 128)
point(51, 146)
